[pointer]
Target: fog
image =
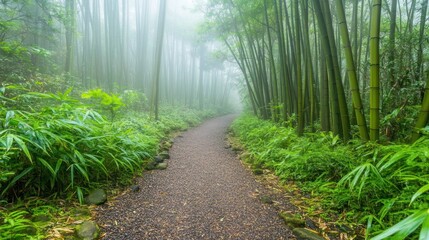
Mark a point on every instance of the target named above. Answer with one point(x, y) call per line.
point(118, 46)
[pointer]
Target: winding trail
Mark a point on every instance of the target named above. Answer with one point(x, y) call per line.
point(204, 194)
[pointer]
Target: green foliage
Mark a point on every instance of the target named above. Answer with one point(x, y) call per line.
point(110, 102)
point(60, 146)
point(318, 156)
point(17, 225)
point(137, 101)
point(404, 228)
point(55, 146)
point(396, 123)
point(361, 181)
point(27, 31)
point(37, 218)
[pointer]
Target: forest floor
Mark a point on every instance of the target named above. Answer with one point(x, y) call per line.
point(205, 193)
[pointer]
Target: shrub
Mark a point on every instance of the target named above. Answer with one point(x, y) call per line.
point(384, 185)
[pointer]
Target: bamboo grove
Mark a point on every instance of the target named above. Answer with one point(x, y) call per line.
point(350, 67)
point(116, 45)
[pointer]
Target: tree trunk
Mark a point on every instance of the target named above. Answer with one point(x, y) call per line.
point(159, 46)
point(354, 85)
point(375, 71)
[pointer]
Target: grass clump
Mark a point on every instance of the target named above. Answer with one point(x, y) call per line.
point(60, 146)
point(375, 185)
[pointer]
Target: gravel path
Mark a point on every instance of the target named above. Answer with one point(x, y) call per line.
point(204, 194)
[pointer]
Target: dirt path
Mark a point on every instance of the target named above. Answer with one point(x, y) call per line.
point(204, 194)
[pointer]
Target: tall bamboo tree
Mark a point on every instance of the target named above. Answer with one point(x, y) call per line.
point(158, 55)
point(374, 103)
point(351, 70)
point(423, 117)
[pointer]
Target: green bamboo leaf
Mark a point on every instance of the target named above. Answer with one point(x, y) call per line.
point(405, 227)
point(424, 232)
point(98, 162)
point(363, 180)
point(4, 132)
point(71, 175)
point(58, 166)
point(68, 91)
point(369, 225)
point(39, 95)
point(23, 146)
point(17, 178)
point(93, 115)
point(82, 171)
point(79, 193)
point(419, 192)
point(395, 158)
point(359, 173)
point(47, 166)
point(9, 142)
point(9, 116)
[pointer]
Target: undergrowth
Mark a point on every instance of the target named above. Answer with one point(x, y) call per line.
point(383, 187)
point(61, 145)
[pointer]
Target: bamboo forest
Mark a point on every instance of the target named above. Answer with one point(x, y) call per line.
point(214, 119)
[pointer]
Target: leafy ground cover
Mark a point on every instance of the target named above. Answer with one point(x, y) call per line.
point(379, 187)
point(55, 148)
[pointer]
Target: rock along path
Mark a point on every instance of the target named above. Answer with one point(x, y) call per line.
point(204, 194)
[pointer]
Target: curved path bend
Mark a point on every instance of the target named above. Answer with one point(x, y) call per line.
point(205, 193)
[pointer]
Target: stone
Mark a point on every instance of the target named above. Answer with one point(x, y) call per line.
point(88, 230)
point(164, 155)
point(344, 228)
point(29, 230)
point(41, 218)
point(258, 171)
point(310, 224)
point(292, 220)
point(82, 211)
point(158, 159)
point(167, 145)
point(162, 166)
point(244, 155)
point(266, 199)
point(96, 197)
point(236, 148)
point(135, 188)
point(305, 234)
point(150, 165)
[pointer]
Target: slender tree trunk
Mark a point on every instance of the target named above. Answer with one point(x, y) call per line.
point(375, 71)
point(308, 62)
point(298, 64)
point(273, 72)
point(354, 85)
point(159, 46)
point(70, 28)
point(419, 62)
point(340, 94)
point(423, 117)
point(328, 56)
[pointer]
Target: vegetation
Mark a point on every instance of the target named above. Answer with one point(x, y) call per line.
point(350, 77)
point(329, 64)
point(58, 146)
point(89, 89)
point(370, 184)
point(88, 92)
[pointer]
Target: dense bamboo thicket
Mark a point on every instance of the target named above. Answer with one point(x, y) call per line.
point(136, 45)
point(340, 88)
point(332, 64)
point(90, 93)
